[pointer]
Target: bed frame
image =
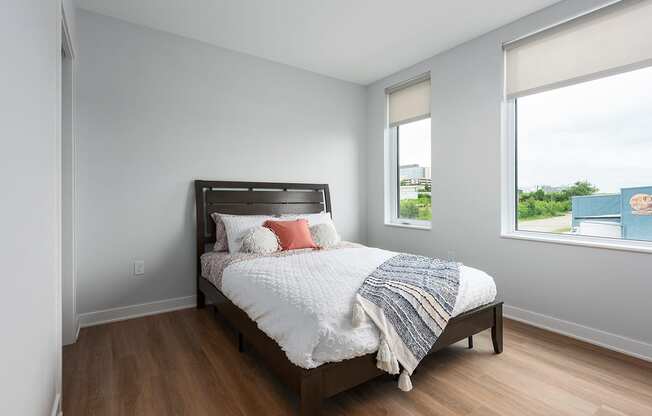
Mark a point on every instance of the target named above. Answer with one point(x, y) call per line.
point(329, 379)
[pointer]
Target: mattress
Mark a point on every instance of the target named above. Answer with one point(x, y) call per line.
point(303, 299)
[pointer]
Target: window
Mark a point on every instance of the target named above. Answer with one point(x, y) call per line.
point(414, 182)
point(580, 130)
point(408, 182)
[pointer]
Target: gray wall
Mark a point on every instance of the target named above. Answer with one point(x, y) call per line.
point(155, 111)
point(71, 19)
point(68, 313)
point(602, 289)
point(30, 350)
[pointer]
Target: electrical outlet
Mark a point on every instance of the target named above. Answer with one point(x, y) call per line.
point(139, 267)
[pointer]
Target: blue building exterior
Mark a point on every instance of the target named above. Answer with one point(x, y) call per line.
point(634, 219)
point(603, 207)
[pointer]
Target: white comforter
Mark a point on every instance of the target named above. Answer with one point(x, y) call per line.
point(304, 302)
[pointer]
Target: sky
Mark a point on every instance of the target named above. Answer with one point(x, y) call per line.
point(599, 131)
point(414, 143)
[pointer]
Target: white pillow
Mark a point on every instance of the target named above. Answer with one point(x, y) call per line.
point(313, 219)
point(260, 240)
point(237, 225)
point(325, 235)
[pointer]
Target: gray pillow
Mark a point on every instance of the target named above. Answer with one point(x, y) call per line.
point(220, 233)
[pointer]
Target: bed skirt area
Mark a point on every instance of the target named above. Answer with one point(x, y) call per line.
point(317, 384)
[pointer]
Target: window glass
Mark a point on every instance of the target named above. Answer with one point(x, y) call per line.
point(584, 158)
point(414, 176)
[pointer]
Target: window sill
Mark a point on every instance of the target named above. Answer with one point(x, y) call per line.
point(407, 225)
point(579, 240)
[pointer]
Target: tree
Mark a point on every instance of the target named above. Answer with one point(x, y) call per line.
point(539, 195)
point(581, 188)
point(409, 208)
point(548, 204)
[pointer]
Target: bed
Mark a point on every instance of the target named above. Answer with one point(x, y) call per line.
point(314, 373)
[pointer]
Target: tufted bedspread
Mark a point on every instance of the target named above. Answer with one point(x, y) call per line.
point(303, 299)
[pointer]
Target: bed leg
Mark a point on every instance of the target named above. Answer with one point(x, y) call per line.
point(497, 329)
point(311, 393)
point(201, 300)
point(471, 342)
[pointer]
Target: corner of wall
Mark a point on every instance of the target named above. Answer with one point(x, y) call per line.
point(364, 221)
point(69, 10)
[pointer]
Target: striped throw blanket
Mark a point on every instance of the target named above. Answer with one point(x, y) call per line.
point(410, 298)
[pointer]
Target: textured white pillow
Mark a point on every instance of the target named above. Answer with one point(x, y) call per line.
point(260, 240)
point(325, 235)
point(237, 225)
point(313, 219)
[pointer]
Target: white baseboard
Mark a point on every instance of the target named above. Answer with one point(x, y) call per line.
point(56, 406)
point(135, 311)
point(75, 336)
point(593, 336)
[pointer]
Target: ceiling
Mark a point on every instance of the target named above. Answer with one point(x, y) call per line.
point(353, 40)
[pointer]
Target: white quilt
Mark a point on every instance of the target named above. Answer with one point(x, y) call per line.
point(304, 302)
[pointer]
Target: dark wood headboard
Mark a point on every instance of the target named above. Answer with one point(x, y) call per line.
point(250, 198)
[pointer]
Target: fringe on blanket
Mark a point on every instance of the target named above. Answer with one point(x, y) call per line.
point(385, 359)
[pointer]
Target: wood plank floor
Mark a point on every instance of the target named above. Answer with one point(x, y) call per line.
point(187, 363)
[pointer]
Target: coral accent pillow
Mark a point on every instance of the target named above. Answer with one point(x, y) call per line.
point(292, 235)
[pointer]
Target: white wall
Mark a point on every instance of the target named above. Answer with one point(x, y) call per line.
point(71, 18)
point(596, 288)
point(69, 314)
point(155, 111)
point(30, 350)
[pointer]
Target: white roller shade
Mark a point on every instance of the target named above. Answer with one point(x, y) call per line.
point(409, 102)
point(611, 40)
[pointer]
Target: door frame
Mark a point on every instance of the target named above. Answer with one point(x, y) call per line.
point(68, 278)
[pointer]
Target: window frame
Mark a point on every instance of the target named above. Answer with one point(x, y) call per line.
point(509, 198)
point(392, 184)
